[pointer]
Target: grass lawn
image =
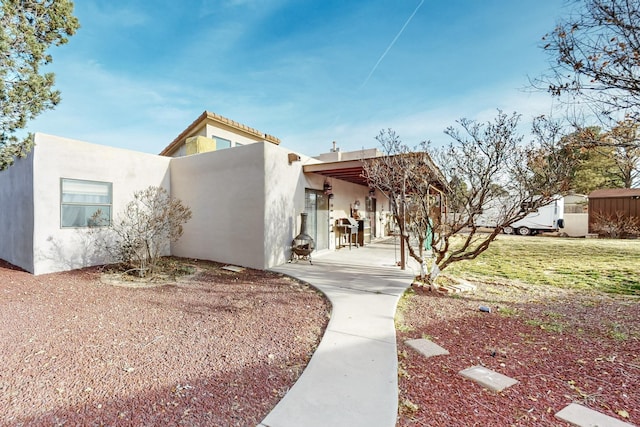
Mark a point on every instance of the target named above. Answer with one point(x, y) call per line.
point(603, 264)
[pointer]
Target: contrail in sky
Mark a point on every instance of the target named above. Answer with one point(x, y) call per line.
point(391, 45)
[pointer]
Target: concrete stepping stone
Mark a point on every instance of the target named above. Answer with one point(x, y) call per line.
point(582, 416)
point(460, 286)
point(233, 268)
point(488, 378)
point(426, 347)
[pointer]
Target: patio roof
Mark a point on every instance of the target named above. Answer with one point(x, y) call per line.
point(353, 171)
point(350, 171)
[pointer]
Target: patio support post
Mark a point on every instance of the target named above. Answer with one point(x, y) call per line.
point(403, 261)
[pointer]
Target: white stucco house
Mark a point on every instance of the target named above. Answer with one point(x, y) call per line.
point(245, 190)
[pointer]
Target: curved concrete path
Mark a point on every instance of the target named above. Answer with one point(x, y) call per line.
point(352, 378)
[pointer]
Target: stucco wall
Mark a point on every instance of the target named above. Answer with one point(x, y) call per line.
point(285, 197)
point(246, 202)
point(16, 213)
point(225, 191)
point(284, 201)
point(56, 248)
point(576, 224)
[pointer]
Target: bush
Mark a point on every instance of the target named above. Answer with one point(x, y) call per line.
point(143, 231)
point(616, 226)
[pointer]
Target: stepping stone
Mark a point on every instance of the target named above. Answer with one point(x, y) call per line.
point(461, 286)
point(582, 416)
point(488, 378)
point(233, 268)
point(426, 347)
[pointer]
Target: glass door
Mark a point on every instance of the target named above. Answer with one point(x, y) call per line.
point(316, 205)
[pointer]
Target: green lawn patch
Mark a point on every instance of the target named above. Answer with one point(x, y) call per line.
point(606, 265)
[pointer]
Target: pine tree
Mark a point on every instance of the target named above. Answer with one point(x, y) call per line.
point(28, 28)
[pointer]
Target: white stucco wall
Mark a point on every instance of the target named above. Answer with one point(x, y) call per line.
point(576, 224)
point(16, 213)
point(284, 201)
point(246, 204)
point(56, 248)
point(225, 191)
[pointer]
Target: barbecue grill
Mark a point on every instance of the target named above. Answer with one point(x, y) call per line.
point(347, 228)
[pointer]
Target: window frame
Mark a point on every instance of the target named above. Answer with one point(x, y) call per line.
point(108, 205)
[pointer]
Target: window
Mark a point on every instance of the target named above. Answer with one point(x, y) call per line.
point(526, 206)
point(222, 143)
point(80, 202)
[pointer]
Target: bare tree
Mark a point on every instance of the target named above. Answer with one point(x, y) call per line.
point(595, 56)
point(413, 185)
point(144, 230)
point(485, 166)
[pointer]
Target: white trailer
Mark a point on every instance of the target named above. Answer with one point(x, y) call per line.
point(547, 218)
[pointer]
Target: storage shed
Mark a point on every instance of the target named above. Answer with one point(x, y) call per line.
point(613, 202)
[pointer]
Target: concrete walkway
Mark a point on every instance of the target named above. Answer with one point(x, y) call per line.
point(351, 379)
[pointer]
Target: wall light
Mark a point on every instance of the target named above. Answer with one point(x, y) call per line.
point(293, 157)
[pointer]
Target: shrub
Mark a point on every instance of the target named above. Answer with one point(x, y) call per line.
point(616, 226)
point(143, 231)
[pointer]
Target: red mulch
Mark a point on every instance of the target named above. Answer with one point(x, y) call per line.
point(222, 348)
point(562, 346)
point(219, 348)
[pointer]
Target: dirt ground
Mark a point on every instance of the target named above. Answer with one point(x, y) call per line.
point(562, 346)
point(217, 348)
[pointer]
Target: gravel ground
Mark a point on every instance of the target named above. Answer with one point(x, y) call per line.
point(217, 348)
point(562, 346)
point(220, 348)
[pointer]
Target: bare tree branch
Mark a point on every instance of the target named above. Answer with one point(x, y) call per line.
point(595, 57)
point(145, 228)
point(437, 208)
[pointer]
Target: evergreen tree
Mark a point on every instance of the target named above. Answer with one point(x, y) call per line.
point(591, 162)
point(28, 28)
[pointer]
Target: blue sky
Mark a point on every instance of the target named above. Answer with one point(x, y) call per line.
point(309, 72)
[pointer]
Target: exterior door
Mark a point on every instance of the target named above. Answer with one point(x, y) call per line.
point(316, 205)
point(372, 214)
